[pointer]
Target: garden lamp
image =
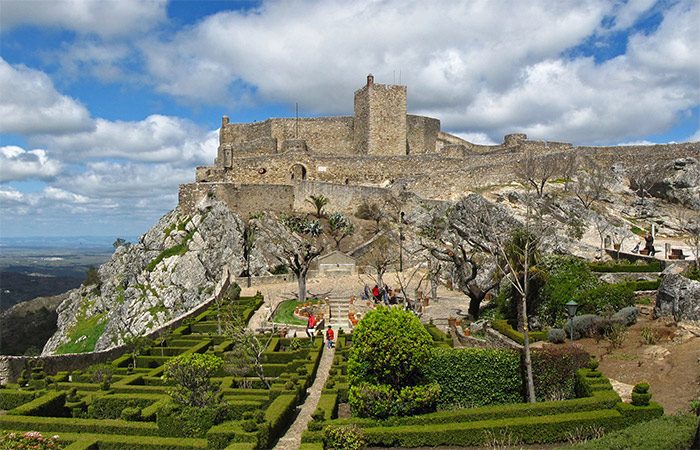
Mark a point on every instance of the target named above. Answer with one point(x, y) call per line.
point(571, 308)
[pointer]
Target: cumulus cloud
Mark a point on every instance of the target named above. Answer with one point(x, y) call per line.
point(16, 164)
point(124, 182)
point(106, 18)
point(30, 104)
point(157, 138)
point(491, 68)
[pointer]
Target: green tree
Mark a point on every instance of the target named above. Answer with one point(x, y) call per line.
point(92, 277)
point(248, 349)
point(191, 374)
point(318, 201)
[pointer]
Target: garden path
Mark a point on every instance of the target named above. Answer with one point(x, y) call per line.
point(292, 438)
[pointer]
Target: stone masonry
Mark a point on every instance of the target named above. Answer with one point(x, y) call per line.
point(277, 163)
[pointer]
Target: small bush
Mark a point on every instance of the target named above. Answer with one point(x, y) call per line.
point(556, 335)
point(627, 315)
point(348, 437)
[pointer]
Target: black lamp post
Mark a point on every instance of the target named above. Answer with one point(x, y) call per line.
point(571, 308)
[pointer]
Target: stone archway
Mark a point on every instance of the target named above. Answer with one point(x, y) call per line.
point(297, 172)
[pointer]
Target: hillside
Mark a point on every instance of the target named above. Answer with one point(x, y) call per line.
point(19, 287)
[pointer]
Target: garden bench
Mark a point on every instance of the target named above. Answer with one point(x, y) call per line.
point(677, 253)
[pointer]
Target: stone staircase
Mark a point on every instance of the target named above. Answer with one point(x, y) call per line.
point(339, 312)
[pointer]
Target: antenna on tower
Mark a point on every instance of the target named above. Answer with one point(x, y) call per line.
point(394, 76)
point(399, 77)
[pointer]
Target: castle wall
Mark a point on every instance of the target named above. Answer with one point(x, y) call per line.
point(244, 199)
point(422, 134)
point(343, 198)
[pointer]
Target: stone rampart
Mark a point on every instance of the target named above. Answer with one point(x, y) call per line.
point(244, 199)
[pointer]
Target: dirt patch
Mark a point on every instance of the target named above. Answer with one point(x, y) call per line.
point(670, 361)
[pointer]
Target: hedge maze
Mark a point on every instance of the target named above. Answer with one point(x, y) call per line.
point(596, 407)
point(132, 409)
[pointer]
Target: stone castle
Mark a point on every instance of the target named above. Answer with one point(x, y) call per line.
point(276, 164)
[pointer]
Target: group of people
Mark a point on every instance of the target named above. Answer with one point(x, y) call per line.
point(380, 294)
point(311, 330)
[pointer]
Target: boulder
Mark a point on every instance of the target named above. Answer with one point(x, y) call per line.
point(679, 298)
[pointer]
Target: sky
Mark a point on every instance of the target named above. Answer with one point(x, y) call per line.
point(106, 106)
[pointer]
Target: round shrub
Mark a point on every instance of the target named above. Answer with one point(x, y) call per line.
point(593, 364)
point(556, 335)
point(348, 437)
point(641, 388)
point(584, 326)
point(389, 347)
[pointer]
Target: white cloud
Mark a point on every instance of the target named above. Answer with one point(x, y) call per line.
point(124, 182)
point(155, 139)
point(29, 104)
point(16, 164)
point(106, 18)
point(105, 62)
point(289, 51)
point(481, 67)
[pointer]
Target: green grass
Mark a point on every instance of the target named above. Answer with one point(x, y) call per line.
point(92, 328)
point(285, 313)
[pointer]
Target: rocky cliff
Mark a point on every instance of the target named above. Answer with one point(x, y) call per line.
point(173, 268)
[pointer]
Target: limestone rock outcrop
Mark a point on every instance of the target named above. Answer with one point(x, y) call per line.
point(679, 298)
point(173, 268)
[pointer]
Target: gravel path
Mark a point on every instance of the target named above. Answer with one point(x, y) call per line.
point(292, 438)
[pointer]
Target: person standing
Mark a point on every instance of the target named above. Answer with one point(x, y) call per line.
point(310, 327)
point(329, 337)
point(649, 239)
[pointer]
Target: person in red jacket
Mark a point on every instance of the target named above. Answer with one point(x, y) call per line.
point(329, 337)
point(310, 327)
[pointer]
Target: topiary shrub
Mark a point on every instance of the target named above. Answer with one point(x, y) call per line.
point(640, 394)
point(554, 372)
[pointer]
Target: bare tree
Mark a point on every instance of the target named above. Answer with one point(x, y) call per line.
point(450, 241)
point(689, 222)
point(569, 163)
point(371, 211)
point(591, 182)
point(514, 247)
point(381, 257)
point(602, 226)
point(294, 239)
point(537, 170)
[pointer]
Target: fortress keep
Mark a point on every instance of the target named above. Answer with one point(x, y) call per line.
point(277, 163)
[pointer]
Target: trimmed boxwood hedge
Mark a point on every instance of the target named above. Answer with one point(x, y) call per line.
point(74, 425)
point(663, 433)
point(10, 398)
point(475, 377)
point(50, 404)
point(654, 266)
point(503, 327)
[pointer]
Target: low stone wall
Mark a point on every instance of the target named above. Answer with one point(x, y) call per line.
point(11, 366)
point(493, 340)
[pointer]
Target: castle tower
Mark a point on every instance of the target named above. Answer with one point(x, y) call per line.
point(380, 119)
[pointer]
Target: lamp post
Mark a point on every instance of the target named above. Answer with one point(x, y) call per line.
point(571, 308)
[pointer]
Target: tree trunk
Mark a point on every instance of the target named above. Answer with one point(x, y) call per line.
point(301, 282)
point(696, 441)
point(526, 332)
point(474, 306)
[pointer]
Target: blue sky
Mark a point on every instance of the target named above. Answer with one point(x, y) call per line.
point(106, 106)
